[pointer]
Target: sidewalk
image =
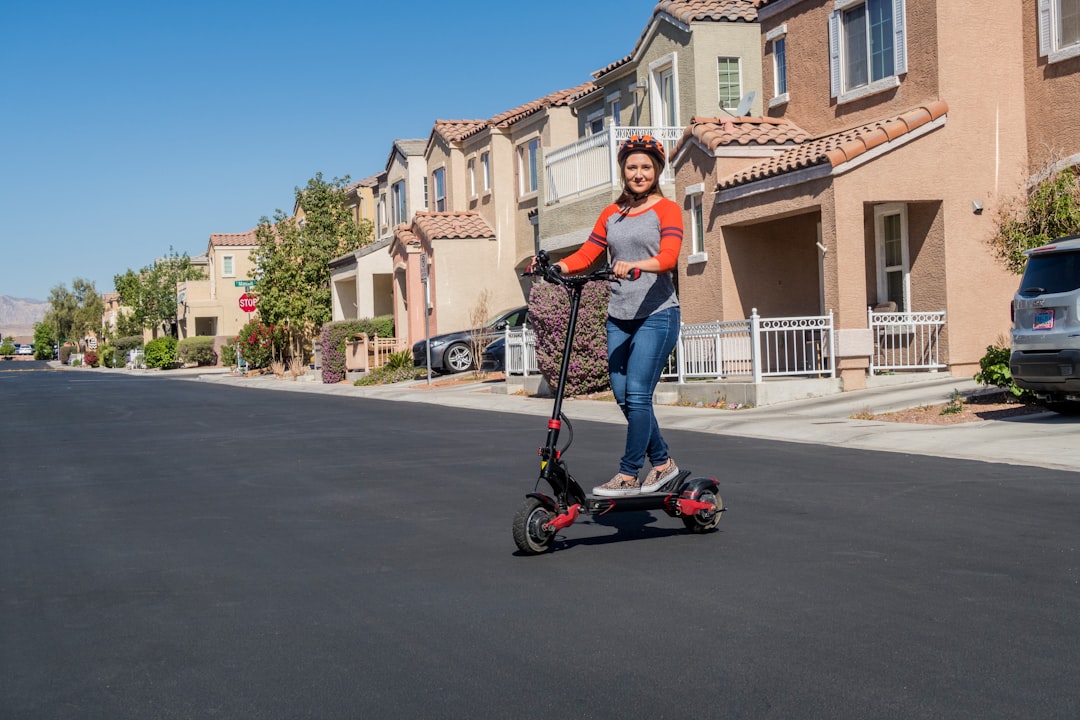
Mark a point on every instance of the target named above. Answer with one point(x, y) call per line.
point(1044, 440)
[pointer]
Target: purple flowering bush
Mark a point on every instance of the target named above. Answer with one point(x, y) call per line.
point(333, 337)
point(549, 314)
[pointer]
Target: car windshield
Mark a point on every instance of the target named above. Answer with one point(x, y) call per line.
point(507, 315)
point(1052, 273)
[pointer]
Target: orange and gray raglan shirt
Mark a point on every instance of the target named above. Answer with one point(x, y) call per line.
point(655, 232)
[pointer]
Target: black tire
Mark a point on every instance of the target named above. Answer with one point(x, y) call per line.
point(529, 534)
point(706, 521)
point(1063, 407)
point(458, 358)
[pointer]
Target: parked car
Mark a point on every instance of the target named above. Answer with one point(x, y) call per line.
point(25, 350)
point(493, 359)
point(1046, 331)
point(453, 352)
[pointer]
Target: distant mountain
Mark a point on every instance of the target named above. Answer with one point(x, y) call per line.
point(18, 315)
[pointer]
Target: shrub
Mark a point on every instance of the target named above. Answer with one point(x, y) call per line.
point(7, 348)
point(228, 353)
point(128, 342)
point(333, 337)
point(109, 357)
point(65, 353)
point(995, 371)
point(549, 314)
point(198, 350)
point(259, 344)
point(398, 368)
point(383, 326)
point(161, 352)
point(90, 357)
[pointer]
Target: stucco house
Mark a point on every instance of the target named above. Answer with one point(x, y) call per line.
point(893, 138)
point(211, 307)
point(694, 58)
point(361, 280)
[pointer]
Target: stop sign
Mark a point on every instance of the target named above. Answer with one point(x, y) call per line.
point(247, 302)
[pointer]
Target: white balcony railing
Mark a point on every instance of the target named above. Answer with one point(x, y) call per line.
point(591, 162)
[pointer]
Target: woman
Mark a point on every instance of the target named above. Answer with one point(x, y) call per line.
point(642, 230)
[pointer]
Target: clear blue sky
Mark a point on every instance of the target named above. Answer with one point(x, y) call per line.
point(130, 127)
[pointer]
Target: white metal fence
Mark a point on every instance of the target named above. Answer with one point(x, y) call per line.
point(591, 162)
point(906, 340)
point(520, 351)
point(759, 347)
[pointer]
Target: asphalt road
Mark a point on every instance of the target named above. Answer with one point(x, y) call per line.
point(173, 549)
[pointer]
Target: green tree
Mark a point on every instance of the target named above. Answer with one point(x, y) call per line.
point(89, 308)
point(61, 313)
point(292, 260)
point(151, 293)
point(1051, 210)
point(44, 339)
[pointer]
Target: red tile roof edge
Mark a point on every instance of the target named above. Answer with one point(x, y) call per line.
point(839, 147)
point(234, 239)
point(451, 225)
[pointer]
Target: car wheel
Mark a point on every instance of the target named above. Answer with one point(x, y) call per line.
point(458, 358)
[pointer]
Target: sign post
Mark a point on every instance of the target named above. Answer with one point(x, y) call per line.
point(424, 277)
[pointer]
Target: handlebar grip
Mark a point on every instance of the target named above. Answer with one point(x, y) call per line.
point(634, 274)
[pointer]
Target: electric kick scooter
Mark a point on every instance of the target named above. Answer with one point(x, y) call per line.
point(695, 500)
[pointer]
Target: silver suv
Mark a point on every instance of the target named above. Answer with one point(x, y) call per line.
point(1046, 326)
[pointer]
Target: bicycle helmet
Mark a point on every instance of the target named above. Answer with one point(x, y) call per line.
point(646, 144)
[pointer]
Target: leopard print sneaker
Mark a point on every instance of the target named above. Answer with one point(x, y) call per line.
point(618, 486)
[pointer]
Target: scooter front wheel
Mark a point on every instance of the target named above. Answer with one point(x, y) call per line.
point(529, 533)
point(706, 520)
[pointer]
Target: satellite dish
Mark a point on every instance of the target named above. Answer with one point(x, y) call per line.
point(745, 102)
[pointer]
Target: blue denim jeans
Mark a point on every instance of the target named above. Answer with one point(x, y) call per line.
point(637, 353)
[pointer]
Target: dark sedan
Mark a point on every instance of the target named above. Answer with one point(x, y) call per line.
point(453, 352)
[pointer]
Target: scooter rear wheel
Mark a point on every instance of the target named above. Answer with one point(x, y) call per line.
point(529, 533)
point(707, 520)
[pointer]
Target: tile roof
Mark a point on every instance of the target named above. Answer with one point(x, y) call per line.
point(715, 132)
point(451, 225)
point(688, 11)
point(234, 239)
point(840, 147)
point(458, 130)
point(556, 99)
point(404, 235)
point(411, 146)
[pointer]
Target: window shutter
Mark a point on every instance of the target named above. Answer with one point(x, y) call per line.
point(899, 38)
point(834, 54)
point(1045, 44)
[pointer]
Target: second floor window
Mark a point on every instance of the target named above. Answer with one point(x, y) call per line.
point(780, 66)
point(528, 159)
point(472, 177)
point(615, 110)
point(438, 180)
point(866, 44)
point(730, 84)
point(228, 269)
point(485, 166)
point(1059, 29)
point(398, 206)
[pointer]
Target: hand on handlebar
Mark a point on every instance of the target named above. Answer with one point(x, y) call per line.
point(625, 271)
